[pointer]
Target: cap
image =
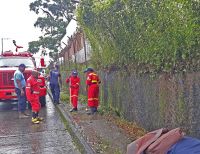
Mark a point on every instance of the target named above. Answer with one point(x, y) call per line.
point(22, 65)
point(74, 73)
point(89, 69)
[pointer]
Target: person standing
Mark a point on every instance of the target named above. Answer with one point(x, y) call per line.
point(20, 83)
point(32, 93)
point(73, 82)
point(55, 84)
point(92, 83)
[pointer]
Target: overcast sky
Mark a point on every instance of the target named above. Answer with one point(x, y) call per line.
point(17, 23)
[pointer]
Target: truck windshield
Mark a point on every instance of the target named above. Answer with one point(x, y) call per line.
point(15, 62)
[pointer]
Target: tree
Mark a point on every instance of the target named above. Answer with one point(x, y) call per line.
point(141, 35)
point(53, 18)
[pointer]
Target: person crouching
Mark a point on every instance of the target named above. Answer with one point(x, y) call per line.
point(92, 83)
point(32, 93)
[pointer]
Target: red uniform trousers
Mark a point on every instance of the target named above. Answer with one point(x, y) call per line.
point(32, 93)
point(93, 95)
point(74, 89)
point(35, 103)
point(74, 96)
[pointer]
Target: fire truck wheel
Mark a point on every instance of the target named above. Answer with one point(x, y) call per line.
point(43, 101)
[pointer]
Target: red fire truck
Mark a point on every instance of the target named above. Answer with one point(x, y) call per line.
point(9, 62)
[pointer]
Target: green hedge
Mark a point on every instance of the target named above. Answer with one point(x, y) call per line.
point(143, 35)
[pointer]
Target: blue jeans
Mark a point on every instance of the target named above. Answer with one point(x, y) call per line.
point(55, 90)
point(21, 100)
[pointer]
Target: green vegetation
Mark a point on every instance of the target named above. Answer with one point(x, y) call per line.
point(64, 97)
point(53, 18)
point(82, 99)
point(143, 36)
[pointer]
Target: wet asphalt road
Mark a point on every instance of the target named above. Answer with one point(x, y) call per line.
point(20, 136)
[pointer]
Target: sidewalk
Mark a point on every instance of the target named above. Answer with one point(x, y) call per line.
point(106, 133)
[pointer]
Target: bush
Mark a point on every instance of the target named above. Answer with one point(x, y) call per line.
point(144, 36)
point(64, 97)
point(82, 99)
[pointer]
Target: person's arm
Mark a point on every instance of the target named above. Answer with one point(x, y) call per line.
point(29, 90)
point(88, 81)
point(67, 80)
point(18, 80)
point(60, 80)
point(77, 83)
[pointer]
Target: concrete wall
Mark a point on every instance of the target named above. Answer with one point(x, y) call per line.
point(163, 101)
point(153, 102)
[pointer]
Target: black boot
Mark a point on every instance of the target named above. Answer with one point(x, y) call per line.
point(73, 109)
point(92, 111)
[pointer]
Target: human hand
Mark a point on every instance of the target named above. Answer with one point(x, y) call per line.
point(22, 92)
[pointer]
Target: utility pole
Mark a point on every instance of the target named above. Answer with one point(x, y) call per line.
point(74, 46)
point(85, 51)
point(2, 43)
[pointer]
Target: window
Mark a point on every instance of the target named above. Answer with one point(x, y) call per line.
point(16, 61)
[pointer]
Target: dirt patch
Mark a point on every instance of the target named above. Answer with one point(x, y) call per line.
point(131, 129)
point(105, 133)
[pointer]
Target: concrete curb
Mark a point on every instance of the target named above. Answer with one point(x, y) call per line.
point(73, 127)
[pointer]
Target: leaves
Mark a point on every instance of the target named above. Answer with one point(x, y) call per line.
point(153, 36)
point(53, 19)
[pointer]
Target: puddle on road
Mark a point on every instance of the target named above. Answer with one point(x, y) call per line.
point(4, 106)
point(21, 136)
point(50, 109)
point(13, 105)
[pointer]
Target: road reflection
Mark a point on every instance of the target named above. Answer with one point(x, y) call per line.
point(6, 105)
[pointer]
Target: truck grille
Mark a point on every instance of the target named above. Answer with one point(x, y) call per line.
point(7, 78)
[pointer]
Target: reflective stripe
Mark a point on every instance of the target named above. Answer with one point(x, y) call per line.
point(93, 99)
point(88, 78)
point(94, 81)
point(77, 83)
point(74, 96)
point(36, 92)
point(28, 87)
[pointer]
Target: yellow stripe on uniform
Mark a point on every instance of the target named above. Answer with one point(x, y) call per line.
point(94, 81)
point(93, 99)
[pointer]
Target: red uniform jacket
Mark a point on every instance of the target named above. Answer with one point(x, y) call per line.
point(74, 89)
point(92, 78)
point(32, 89)
point(73, 82)
point(93, 82)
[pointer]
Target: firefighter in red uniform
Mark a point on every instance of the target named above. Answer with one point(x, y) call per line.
point(32, 93)
point(92, 83)
point(73, 82)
